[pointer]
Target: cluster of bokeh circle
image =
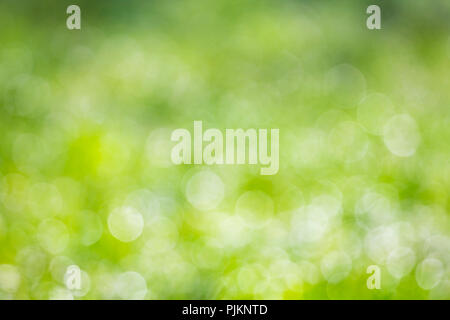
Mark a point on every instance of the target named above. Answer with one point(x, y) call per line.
point(363, 176)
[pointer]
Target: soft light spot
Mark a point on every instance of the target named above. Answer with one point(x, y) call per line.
point(32, 261)
point(309, 225)
point(401, 135)
point(270, 289)
point(159, 147)
point(9, 278)
point(162, 235)
point(205, 190)
point(91, 228)
point(346, 85)
point(44, 200)
point(131, 286)
point(255, 207)
point(115, 153)
point(373, 209)
point(249, 276)
point(348, 142)
point(309, 146)
point(336, 266)
point(3, 228)
point(438, 246)
point(291, 199)
point(145, 202)
point(328, 204)
point(58, 267)
point(53, 236)
point(60, 293)
point(380, 242)
point(401, 261)
point(125, 224)
point(13, 192)
point(374, 111)
point(429, 273)
point(441, 291)
point(206, 256)
point(231, 231)
point(309, 272)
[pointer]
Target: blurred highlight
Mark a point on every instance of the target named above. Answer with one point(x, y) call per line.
point(88, 188)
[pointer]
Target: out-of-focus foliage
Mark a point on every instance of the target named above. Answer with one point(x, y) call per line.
point(86, 178)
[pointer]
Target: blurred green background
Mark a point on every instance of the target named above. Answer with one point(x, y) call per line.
point(85, 171)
